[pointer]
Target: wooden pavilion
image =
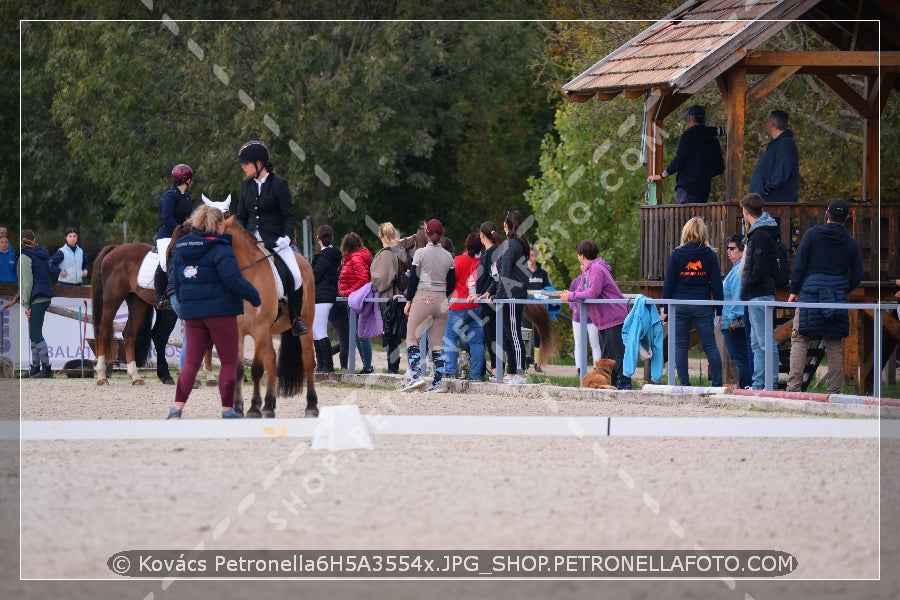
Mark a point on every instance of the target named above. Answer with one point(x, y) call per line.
point(705, 41)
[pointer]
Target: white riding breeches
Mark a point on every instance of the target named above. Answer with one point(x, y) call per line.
point(287, 255)
point(162, 244)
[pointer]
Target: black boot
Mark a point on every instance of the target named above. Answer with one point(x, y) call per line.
point(323, 356)
point(33, 371)
point(295, 306)
point(44, 372)
point(393, 354)
point(160, 282)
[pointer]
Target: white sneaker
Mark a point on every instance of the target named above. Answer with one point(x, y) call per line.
point(515, 379)
point(416, 384)
point(436, 388)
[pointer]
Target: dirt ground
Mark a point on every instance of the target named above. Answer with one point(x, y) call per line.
point(83, 501)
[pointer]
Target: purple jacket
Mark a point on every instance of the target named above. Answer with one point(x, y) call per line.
point(598, 283)
point(370, 323)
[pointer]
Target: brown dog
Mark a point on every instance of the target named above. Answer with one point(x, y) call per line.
point(600, 376)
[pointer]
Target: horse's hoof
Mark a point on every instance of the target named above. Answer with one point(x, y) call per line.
point(253, 413)
point(169, 381)
point(103, 382)
point(311, 412)
point(268, 414)
point(137, 382)
point(212, 383)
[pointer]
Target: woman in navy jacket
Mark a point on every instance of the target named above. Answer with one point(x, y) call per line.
point(693, 273)
point(211, 293)
point(326, 266)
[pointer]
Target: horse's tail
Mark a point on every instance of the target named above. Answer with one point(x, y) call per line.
point(97, 296)
point(540, 319)
point(291, 372)
point(143, 340)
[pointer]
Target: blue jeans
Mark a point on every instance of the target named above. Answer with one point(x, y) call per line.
point(362, 344)
point(702, 318)
point(736, 344)
point(758, 342)
point(464, 329)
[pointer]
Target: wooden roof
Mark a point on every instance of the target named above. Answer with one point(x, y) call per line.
point(701, 39)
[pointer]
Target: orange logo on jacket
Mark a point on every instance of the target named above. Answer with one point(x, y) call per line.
point(693, 269)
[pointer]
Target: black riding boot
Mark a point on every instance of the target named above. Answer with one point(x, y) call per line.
point(160, 282)
point(295, 306)
point(324, 358)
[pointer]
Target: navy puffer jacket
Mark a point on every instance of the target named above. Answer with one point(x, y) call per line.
point(208, 281)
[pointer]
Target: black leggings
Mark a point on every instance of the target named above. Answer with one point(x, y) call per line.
point(513, 345)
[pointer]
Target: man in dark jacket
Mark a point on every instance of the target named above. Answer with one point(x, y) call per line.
point(697, 160)
point(758, 284)
point(777, 174)
point(827, 267)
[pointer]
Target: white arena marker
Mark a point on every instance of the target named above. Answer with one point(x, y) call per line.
point(341, 428)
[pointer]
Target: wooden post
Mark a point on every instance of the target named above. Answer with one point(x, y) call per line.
point(870, 183)
point(735, 95)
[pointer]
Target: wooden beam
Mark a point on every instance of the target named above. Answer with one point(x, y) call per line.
point(822, 58)
point(632, 94)
point(846, 93)
point(580, 97)
point(767, 84)
point(736, 107)
point(870, 179)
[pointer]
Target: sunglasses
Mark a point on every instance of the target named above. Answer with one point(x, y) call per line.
point(730, 248)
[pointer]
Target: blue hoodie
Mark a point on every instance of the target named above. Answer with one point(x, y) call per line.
point(208, 281)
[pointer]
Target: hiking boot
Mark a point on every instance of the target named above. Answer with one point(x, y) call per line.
point(44, 372)
point(416, 383)
point(231, 414)
point(174, 413)
point(367, 370)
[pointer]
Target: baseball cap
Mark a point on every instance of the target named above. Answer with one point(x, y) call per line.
point(838, 209)
point(696, 111)
point(434, 226)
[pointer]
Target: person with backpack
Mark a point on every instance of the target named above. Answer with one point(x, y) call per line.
point(758, 284)
point(387, 270)
point(827, 267)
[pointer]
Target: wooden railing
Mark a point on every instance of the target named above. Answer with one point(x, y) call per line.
point(876, 227)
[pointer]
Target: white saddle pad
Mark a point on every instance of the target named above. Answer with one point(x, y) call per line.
point(148, 270)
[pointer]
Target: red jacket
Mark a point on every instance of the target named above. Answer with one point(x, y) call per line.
point(355, 272)
point(466, 274)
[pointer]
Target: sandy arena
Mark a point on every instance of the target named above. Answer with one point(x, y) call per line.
point(83, 501)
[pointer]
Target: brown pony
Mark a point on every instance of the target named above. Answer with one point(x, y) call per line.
point(539, 317)
point(114, 281)
point(296, 356)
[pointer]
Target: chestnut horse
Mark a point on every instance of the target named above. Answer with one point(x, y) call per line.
point(296, 356)
point(114, 281)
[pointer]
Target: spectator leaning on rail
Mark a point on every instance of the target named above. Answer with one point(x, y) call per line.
point(697, 160)
point(464, 328)
point(758, 283)
point(598, 283)
point(827, 266)
point(432, 278)
point(776, 177)
point(70, 262)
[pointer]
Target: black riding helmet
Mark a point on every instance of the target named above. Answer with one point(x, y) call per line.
point(253, 151)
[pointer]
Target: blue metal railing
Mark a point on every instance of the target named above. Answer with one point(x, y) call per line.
point(770, 307)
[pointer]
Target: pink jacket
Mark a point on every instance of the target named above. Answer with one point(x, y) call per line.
point(597, 282)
